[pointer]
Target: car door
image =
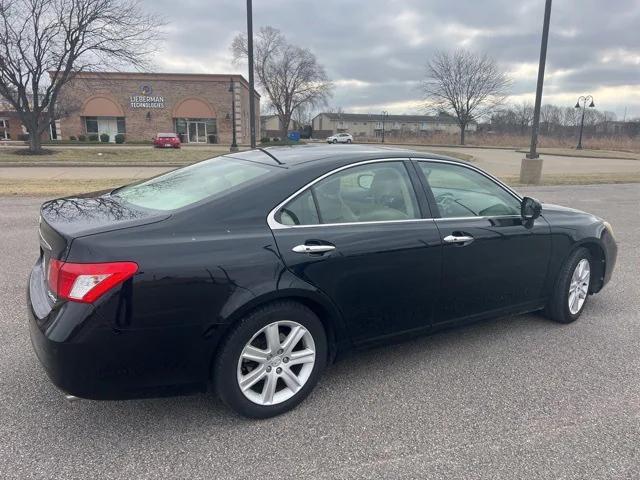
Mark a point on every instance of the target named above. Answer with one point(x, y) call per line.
point(362, 235)
point(493, 260)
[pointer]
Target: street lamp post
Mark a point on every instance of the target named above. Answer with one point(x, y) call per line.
point(252, 100)
point(584, 99)
point(385, 114)
point(234, 144)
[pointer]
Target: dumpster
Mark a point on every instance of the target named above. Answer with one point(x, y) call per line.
point(294, 136)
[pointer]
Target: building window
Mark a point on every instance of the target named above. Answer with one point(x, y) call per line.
point(91, 124)
point(4, 129)
point(105, 124)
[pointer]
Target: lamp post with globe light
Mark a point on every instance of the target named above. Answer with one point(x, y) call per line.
point(584, 99)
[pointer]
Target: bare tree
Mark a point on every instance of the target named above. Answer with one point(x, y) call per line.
point(465, 85)
point(290, 75)
point(43, 43)
point(524, 115)
point(303, 115)
point(569, 117)
point(550, 116)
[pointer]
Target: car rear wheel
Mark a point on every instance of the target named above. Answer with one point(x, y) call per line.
point(348, 140)
point(271, 360)
point(572, 287)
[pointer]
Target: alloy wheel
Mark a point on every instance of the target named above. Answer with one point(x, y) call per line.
point(579, 286)
point(276, 363)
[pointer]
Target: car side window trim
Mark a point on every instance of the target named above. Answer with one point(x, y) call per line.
point(275, 225)
point(488, 176)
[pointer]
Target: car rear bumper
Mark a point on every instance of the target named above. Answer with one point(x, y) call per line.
point(86, 357)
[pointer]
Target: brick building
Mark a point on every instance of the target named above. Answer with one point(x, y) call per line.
point(10, 123)
point(139, 105)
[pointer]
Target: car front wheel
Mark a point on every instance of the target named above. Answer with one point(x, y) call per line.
point(271, 360)
point(335, 140)
point(572, 287)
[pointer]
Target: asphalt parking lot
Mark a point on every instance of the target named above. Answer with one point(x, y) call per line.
point(515, 397)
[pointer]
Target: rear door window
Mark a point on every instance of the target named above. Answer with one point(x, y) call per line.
point(374, 192)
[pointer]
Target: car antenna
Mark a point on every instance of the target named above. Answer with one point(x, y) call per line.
point(271, 155)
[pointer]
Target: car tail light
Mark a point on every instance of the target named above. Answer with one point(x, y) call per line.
point(86, 282)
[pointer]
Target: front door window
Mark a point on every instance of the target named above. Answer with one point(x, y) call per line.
point(463, 192)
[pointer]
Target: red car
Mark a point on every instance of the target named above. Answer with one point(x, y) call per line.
point(166, 140)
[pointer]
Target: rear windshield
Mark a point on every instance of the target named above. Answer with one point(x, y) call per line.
point(191, 184)
point(167, 135)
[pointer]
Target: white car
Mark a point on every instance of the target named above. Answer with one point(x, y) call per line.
point(340, 138)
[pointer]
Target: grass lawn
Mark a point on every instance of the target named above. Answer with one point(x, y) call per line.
point(138, 155)
point(36, 187)
point(114, 155)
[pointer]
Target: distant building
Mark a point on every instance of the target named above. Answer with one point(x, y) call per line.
point(271, 126)
point(370, 125)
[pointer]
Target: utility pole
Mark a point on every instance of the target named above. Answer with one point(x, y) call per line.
point(252, 100)
point(531, 166)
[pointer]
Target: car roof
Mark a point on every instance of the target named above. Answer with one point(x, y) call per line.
point(299, 156)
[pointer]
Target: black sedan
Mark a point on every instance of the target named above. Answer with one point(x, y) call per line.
point(252, 271)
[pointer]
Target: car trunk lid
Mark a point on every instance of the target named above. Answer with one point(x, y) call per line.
point(64, 219)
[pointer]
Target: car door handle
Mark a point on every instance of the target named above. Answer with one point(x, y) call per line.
point(458, 239)
point(313, 248)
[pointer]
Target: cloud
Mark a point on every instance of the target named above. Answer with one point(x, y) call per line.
point(375, 51)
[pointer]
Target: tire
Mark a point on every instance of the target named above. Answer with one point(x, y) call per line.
point(558, 308)
point(335, 140)
point(251, 332)
point(349, 141)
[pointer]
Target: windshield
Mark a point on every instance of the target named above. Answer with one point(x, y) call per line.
point(191, 184)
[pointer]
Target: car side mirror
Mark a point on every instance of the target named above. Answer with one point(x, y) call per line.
point(530, 208)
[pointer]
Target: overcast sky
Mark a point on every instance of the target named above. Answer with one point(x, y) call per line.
point(375, 51)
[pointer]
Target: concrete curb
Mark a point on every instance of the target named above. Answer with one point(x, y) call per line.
point(579, 156)
point(430, 145)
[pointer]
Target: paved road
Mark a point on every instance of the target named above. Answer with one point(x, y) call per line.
point(510, 398)
point(503, 162)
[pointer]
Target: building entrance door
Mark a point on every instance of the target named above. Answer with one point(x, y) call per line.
point(197, 132)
